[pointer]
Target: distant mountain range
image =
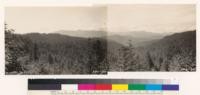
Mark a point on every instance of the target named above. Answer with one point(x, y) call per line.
point(137, 38)
point(83, 33)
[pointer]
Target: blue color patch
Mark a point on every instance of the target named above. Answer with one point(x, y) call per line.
point(170, 87)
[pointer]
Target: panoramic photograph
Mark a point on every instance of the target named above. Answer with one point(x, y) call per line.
point(100, 39)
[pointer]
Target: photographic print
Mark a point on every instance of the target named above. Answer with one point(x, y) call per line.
point(100, 39)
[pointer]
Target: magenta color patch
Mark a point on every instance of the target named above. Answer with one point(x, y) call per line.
point(86, 86)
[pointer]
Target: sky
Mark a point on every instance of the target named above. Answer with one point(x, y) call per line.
point(151, 18)
point(51, 19)
point(113, 18)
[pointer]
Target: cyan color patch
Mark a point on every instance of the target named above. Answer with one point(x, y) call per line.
point(153, 87)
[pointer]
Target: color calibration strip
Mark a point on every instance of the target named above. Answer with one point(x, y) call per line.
point(102, 84)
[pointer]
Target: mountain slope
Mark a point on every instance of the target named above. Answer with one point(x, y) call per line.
point(62, 54)
point(175, 52)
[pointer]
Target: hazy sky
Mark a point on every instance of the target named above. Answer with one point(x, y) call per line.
point(117, 18)
point(51, 19)
point(153, 18)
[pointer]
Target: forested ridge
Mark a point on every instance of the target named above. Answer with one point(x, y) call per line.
point(37, 53)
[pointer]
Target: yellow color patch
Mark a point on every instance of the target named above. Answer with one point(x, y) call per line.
point(119, 86)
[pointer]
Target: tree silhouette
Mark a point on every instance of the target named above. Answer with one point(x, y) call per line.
point(50, 59)
point(12, 51)
point(35, 52)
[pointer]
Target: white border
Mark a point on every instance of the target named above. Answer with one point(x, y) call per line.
point(17, 84)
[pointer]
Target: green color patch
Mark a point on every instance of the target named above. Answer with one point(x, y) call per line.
point(136, 87)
